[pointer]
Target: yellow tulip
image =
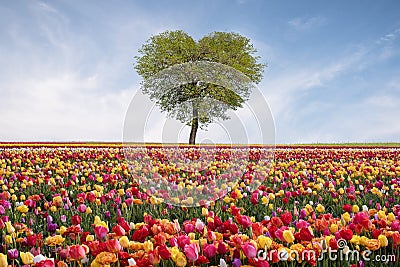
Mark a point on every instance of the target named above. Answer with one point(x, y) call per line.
point(383, 240)
point(355, 239)
point(204, 212)
point(124, 241)
point(10, 228)
point(3, 260)
point(355, 209)
point(27, 258)
point(333, 228)
point(391, 217)
point(148, 245)
point(288, 236)
point(264, 242)
point(320, 208)
point(381, 214)
point(180, 260)
point(346, 217)
point(192, 236)
point(9, 239)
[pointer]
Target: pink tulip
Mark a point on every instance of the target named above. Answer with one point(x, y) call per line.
point(82, 208)
point(209, 251)
point(199, 225)
point(100, 232)
point(249, 250)
point(191, 252)
point(189, 228)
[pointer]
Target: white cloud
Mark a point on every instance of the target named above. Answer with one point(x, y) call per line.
point(59, 85)
point(390, 36)
point(307, 23)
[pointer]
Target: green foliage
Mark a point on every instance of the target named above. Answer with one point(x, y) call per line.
point(197, 102)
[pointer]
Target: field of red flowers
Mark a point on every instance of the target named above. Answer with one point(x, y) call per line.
point(80, 205)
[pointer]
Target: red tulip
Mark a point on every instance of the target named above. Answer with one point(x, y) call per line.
point(396, 239)
point(347, 208)
point(243, 220)
point(45, 263)
point(257, 229)
point(113, 245)
point(124, 224)
point(77, 252)
point(254, 198)
point(153, 257)
point(346, 234)
point(164, 252)
point(362, 219)
point(305, 234)
point(201, 260)
point(141, 234)
point(376, 233)
point(286, 218)
point(118, 230)
point(235, 211)
point(76, 219)
point(333, 244)
point(221, 248)
point(276, 221)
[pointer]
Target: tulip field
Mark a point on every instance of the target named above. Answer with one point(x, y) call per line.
point(85, 205)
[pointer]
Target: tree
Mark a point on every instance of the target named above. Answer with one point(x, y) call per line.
point(173, 67)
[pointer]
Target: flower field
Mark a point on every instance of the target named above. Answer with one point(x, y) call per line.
point(82, 205)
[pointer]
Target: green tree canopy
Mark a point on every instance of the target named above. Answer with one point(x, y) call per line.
point(176, 78)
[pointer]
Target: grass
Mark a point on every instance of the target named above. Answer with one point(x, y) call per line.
point(353, 144)
point(118, 144)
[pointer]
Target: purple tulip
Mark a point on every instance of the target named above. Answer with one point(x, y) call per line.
point(63, 218)
point(303, 214)
point(13, 254)
point(107, 214)
point(52, 227)
point(236, 263)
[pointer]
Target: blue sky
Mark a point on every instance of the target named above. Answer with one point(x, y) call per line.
point(333, 70)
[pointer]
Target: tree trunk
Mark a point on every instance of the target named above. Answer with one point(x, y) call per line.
point(195, 124)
